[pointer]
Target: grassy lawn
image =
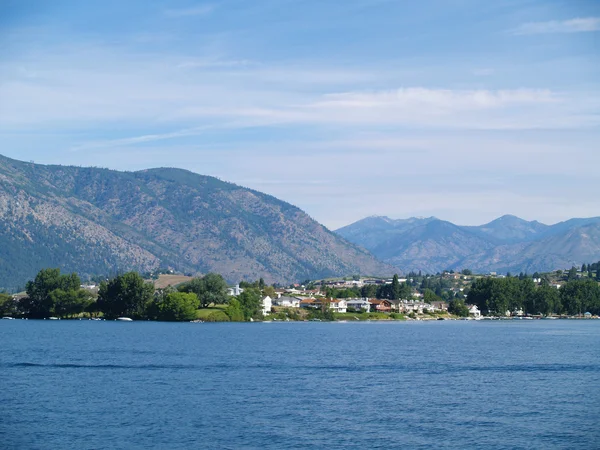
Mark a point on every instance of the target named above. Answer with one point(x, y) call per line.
point(366, 316)
point(214, 313)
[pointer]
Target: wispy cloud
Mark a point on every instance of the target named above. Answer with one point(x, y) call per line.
point(201, 10)
point(577, 25)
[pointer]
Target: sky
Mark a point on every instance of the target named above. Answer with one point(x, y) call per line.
point(461, 109)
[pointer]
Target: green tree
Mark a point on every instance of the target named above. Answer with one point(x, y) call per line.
point(39, 302)
point(126, 295)
point(430, 297)
point(580, 296)
point(458, 308)
point(368, 291)
point(71, 302)
point(572, 274)
point(178, 306)
point(394, 292)
point(234, 310)
point(269, 291)
point(210, 289)
point(545, 300)
point(467, 272)
point(251, 304)
point(8, 307)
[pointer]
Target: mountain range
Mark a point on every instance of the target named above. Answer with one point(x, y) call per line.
point(507, 244)
point(99, 221)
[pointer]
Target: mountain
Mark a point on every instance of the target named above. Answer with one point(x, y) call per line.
point(505, 244)
point(510, 230)
point(99, 221)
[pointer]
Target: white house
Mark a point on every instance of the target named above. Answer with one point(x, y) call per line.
point(235, 291)
point(338, 305)
point(474, 311)
point(359, 303)
point(287, 302)
point(267, 304)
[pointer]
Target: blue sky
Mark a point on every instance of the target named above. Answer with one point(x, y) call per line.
point(461, 109)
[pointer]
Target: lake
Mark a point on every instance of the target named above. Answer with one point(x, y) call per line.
point(450, 384)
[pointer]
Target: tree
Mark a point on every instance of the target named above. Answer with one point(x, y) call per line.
point(211, 288)
point(70, 302)
point(583, 268)
point(251, 304)
point(269, 291)
point(8, 306)
point(368, 291)
point(234, 310)
point(580, 296)
point(126, 295)
point(544, 300)
point(458, 308)
point(572, 274)
point(467, 272)
point(430, 297)
point(39, 302)
point(178, 306)
point(394, 292)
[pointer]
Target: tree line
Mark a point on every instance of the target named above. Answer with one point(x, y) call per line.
point(52, 294)
point(495, 296)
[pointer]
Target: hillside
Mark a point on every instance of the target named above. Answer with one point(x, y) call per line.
point(99, 221)
point(505, 244)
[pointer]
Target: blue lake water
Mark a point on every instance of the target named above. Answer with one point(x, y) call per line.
point(108, 385)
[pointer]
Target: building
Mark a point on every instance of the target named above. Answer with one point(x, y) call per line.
point(287, 302)
point(235, 291)
point(359, 303)
point(337, 305)
point(380, 305)
point(267, 304)
point(474, 311)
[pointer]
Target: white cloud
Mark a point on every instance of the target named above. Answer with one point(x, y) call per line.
point(577, 25)
point(202, 10)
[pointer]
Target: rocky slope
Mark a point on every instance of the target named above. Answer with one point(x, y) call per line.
point(98, 221)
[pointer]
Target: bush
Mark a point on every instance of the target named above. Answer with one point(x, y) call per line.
point(217, 316)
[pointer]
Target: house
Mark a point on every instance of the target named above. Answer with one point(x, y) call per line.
point(235, 291)
point(474, 311)
point(440, 306)
point(287, 302)
point(309, 303)
point(267, 304)
point(337, 305)
point(359, 303)
point(380, 305)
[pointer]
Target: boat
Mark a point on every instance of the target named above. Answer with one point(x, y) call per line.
point(8, 318)
point(53, 318)
point(124, 319)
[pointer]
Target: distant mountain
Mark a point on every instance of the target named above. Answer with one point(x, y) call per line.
point(99, 221)
point(510, 230)
point(505, 244)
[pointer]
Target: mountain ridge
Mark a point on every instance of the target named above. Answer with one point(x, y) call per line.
point(98, 221)
point(507, 243)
